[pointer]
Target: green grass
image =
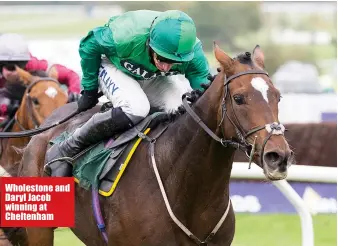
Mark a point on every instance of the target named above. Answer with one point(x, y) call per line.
point(65, 25)
point(282, 230)
point(22, 17)
point(39, 26)
point(65, 237)
point(81, 28)
point(258, 230)
point(49, 25)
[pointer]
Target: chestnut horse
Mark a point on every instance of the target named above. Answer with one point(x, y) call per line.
point(193, 157)
point(41, 97)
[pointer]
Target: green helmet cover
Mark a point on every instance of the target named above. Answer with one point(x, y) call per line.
point(173, 36)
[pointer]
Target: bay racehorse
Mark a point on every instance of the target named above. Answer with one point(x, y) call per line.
point(187, 201)
point(42, 95)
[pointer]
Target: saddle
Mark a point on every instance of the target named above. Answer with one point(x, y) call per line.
point(101, 165)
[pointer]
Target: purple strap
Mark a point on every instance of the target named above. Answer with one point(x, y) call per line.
point(98, 215)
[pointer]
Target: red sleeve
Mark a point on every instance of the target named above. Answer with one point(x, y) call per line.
point(68, 77)
point(65, 75)
point(36, 64)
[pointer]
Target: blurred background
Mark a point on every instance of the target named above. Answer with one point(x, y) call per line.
point(299, 40)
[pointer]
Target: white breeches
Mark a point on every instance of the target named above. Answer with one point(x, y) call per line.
point(136, 97)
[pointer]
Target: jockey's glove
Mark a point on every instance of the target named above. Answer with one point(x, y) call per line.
point(211, 77)
point(88, 100)
point(73, 97)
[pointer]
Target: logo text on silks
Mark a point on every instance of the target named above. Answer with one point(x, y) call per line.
point(139, 70)
point(111, 86)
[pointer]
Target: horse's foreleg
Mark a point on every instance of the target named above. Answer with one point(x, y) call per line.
point(40, 236)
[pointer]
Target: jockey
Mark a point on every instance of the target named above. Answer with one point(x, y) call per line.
point(14, 51)
point(137, 60)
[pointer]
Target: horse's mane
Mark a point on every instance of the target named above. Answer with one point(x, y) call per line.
point(39, 73)
point(245, 58)
point(16, 91)
point(194, 95)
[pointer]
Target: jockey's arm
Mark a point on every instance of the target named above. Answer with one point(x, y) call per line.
point(63, 74)
point(98, 41)
point(198, 69)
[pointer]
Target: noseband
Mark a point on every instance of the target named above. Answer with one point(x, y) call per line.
point(242, 143)
point(29, 103)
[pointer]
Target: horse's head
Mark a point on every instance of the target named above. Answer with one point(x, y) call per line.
point(248, 111)
point(42, 96)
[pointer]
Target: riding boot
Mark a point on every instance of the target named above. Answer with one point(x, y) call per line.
point(100, 126)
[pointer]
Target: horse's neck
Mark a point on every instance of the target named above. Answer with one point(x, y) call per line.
point(195, 168)
point(11, 153)
point(23, 119)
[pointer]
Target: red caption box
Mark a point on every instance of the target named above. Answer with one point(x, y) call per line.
point(37, 202)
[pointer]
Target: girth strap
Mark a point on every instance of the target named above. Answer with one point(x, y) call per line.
point(152, 142)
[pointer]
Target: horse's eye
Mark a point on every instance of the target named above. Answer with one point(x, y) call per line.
point(280, 97)
point(239, 99)
point(35, 101)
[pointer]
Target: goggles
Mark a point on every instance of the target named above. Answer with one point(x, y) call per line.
point(10, 65)
point(165, 60)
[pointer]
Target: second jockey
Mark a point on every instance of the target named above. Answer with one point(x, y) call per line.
point(139, 59)
point(14, 51)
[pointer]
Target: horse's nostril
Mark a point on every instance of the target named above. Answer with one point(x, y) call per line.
point(272, 157)
point(277, 160)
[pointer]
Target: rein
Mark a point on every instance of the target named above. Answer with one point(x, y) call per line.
point(29, 133)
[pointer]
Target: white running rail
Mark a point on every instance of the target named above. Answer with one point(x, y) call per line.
point(296, 173)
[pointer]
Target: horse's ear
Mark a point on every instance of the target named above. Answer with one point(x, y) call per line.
point(53, 73)
point(258, 56)
point(24, 76)
point(225, 60)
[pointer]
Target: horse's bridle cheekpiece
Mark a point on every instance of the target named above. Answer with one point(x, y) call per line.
point(274, 128)
point(29, 103)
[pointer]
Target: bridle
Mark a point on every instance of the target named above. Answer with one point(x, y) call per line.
point(242, 143)
point(29, 103)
